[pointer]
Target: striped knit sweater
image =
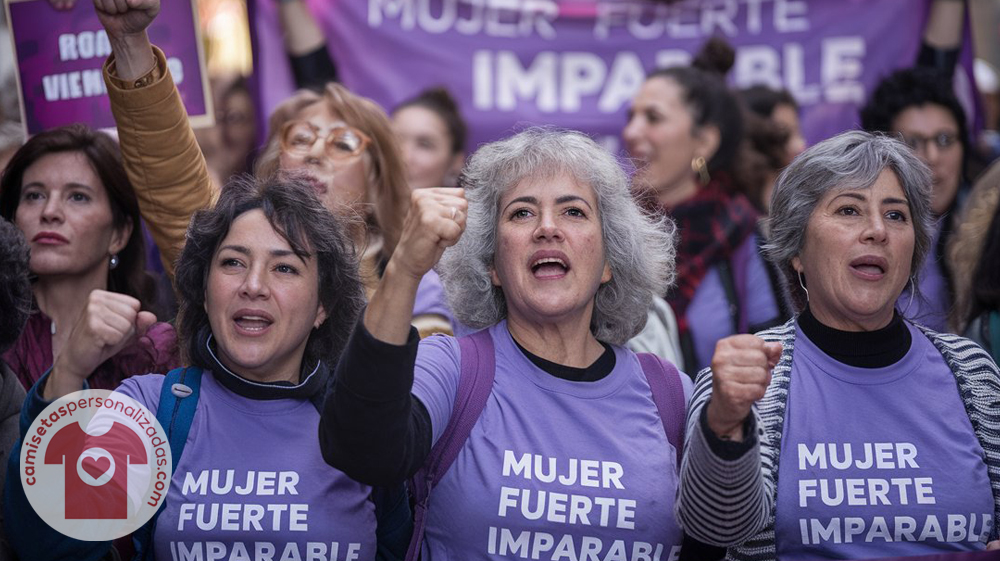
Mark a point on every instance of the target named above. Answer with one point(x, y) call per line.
point(732, 502)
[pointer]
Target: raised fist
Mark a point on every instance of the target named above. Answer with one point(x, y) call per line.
point(124, 17)
point(110, 322)
point(741, 372)
point(435, 221)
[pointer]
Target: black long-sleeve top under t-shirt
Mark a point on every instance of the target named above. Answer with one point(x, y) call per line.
point(373, 429)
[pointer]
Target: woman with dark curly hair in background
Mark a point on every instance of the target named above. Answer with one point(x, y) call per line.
point(919, 105)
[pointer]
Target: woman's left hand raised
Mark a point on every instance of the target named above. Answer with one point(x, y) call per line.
point(109, 322)
point(435, 221)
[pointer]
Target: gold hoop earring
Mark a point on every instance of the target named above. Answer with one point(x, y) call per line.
point(699, 166)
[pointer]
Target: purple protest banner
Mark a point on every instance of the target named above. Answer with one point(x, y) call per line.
point(59, 56)
point(577, 64)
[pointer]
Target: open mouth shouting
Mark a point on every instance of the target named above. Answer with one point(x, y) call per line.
point(549, 265)
point(869, 267)
point(252, 322)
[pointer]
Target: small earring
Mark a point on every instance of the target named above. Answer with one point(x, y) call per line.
point(699, 166)
point(803, 285)
point(114, 262)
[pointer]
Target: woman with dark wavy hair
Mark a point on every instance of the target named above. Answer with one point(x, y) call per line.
point(67, 191)
point(269, 291)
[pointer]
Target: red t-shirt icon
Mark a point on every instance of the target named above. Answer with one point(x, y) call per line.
point(103, 500)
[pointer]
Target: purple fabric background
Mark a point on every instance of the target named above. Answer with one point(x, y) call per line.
point(389, 63)
point(36, 27)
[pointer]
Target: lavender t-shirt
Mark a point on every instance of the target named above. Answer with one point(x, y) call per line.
point(931, 304)
point(553, 469)
point(878, 462)
point(430, 298)
point(252, 484)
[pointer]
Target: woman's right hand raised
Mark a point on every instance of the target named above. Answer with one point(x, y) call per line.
point(125, 22)
point(741, 372)
point(126, 17)
point(435, 221)
point(110, 322)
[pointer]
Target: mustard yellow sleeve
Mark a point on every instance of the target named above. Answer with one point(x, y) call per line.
point(161, 156)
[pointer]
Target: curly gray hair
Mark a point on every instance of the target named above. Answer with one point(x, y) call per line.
point(850, 160)
point(638, 247)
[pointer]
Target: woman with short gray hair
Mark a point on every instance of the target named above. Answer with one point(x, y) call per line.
point(839, 434)
point(854, 159)
point(557, 266)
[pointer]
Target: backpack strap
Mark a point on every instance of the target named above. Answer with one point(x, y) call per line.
point(668, 394)
point(178, 403)
point(474, 387)
point(176, 411)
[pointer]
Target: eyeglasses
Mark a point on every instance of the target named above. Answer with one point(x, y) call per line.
point(943, 140)
point(342, 141)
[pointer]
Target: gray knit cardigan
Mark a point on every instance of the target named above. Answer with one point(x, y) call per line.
point(732, 503)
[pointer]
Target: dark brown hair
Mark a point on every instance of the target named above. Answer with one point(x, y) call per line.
point(292, 209)
point(130, 277)
point(710, 102)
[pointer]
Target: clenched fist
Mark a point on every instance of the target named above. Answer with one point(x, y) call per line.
point(741, 372)
point(110, 322)
point(126, 17)
point(435, 221)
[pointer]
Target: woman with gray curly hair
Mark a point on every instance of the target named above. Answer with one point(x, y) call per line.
point(839, 435)
point(573, 436)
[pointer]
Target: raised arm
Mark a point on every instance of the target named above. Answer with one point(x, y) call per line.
point(945, 24)
point(305, 44)
point(159, 150)
point(942, 39)
point(372, 428)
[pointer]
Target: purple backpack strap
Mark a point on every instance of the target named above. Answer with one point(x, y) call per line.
point(668, 394)
point(474, 387)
